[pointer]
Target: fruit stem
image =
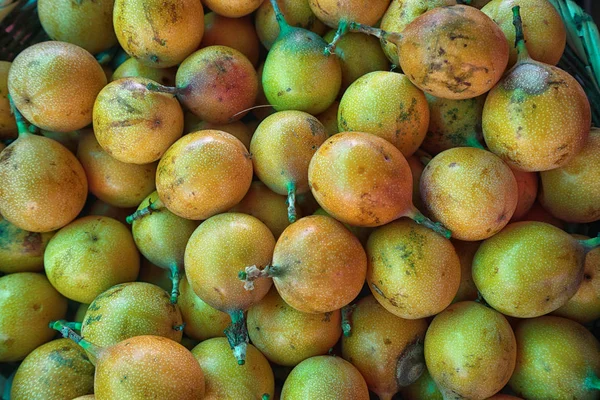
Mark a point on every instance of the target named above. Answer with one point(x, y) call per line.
point(179, 327)
point(522, 53)
point(341, 31)
point(291, 202)
point(346, 319)
point(157, 87)
point(284, 27)
point(73, 325)
point(471, 141)
point(175, 278)
point(419, 218)
point(393, 37)
point(265, 397)
point(590, 244)
point(252, 273)
point(21, 124)
point(592, 382)
point(63, 328)
point(106, 56)
point(237, 335)
point(139, 214)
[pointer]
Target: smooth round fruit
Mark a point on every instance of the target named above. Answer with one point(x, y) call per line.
point(20, 250)
point(28, 303)
point(56, 370)
point(225, 379)
point(43, 186)
point(470, 350)
point(90, 255)
point(54, 85)
point(233, 8)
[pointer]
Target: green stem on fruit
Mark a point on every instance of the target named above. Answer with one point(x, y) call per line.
point(265, 397)
point(284, 27)
point(346, 319)
point(237, 335)
point(471, 141)
point(590, 244)
point(592, 382)
point(175, 276)
point(106, 56)
point(420, 219)
point(73, 325)
point(252, 273)
point(67, 332)
point(467, 2)
point(152, 207)
point(179, 327)
point(291, 202)
point(393, 37)
point(341, 31)
point(21, 123)
point(522, 53)
point(157, 87)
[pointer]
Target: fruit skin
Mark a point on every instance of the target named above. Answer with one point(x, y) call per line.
point(463, 50)
point(332, 12)
point(204, 173)
point(413, 272)
point(543, 27)
point(572, 192)
point(57, 370)
point(528, 269)
point(237, 33)
point(88, 24)
point(54, 85)
point(388, 105)
point(423, 388)
point(43, 186)
point(325, 377)
point(28, 303)
point(387, 350)
point(129, 371)
point(287, 336)
point(225, 379)
point(8, 125)
point(470, 351)
point(555, 359)
point(233, 8)
point(20, 250)
point(89, 256)
point(132, 68)
point(527, 183)
point(159, 34)
point(470, 191)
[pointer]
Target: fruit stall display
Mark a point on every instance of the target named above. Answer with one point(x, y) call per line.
point(299, 199)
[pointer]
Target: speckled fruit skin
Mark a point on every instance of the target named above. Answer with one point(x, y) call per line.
point(28, 303)
point(584, 306)
point(98, 207)
point(470, 351)
point(413, 272)
point(131, 309)
point(157, 33)
point(148, 367)
point(527, 183)
point(399, 14)
point(555, 357)
point(201, 320)
point(470, 191)
point(222, 246)
point(332, 12)
point(117, 183)
point(225, 379)
point(20, 250)
point(572, 192)
point(56, 370)
point(387, 105)
point(133, 68)
point(297, 13)
point(236, 128)
point(452, 123)
point(266, 205)
point(287, 336)
point(465, 251)
point(233, 8)
point(528, 269)
point(318, 265)
point(454, 52)
point(543, 27)
point(378, 344)
point(361, 179)
point(217, 83)
point(237, 33)
point(134, 124)
point(90, 255)
point(537, 117)
point(8, 125)
point(54, 85)
point(204, 173)
point(291, 69)
point(329, 118)
point(162, 236)
point(325, 377)
point(282, 147)
point(88, 24)
point(42, 185)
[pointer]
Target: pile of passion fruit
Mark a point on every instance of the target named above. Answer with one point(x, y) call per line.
point(297, 199)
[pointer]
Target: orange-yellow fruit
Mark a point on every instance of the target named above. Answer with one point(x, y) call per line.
point(332, 12)
point(8, 125)
point(233, 8)
point(237, 33)
point(132, 68)
point(20, 250)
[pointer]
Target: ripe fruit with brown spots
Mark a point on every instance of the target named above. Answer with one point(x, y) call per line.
point(20, 250)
